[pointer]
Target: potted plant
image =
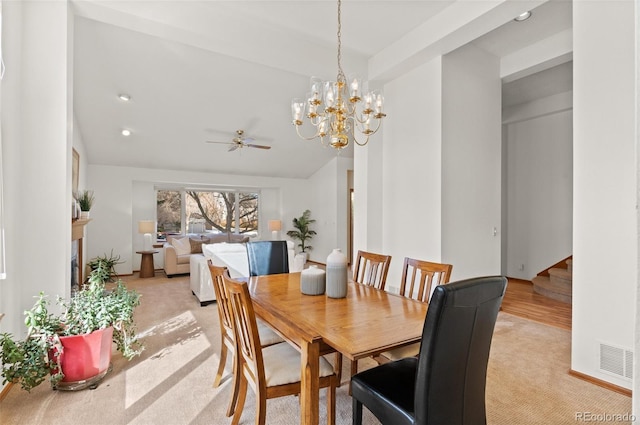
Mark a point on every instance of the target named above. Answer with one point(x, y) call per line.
point(302, 232)
point(85, 199)
point(73, 348)
point(104, 266)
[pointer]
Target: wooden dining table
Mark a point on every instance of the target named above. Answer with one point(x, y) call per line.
point(366, 322)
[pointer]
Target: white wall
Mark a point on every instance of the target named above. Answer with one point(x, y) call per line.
point(36, 125)
point(471, 162)
point(411, 156)
point(367, 194)
point(605, 242)
point(125, 195)
point(636, 369)
point(539, 193)
point(329, 207)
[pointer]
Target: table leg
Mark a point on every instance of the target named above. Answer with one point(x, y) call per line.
point(310, 385)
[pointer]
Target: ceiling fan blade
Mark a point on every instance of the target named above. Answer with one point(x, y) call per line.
point(257, 146)
point(248, 140)
point(233, 148)
point(223, 143)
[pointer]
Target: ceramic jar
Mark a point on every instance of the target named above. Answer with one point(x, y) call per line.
point(312, 281)
point(336, 274)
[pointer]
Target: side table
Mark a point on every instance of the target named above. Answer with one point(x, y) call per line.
point(146, 263)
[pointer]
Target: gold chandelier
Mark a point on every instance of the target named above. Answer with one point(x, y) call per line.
point(338, 108)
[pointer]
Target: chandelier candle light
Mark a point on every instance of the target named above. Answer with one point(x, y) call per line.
point(337, 108)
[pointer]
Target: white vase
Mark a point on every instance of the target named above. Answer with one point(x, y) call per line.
point(336, 286)
point(84, 215)
point(312, 281)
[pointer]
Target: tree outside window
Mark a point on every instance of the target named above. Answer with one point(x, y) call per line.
point(208, 211)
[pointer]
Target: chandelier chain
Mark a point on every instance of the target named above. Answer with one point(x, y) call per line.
point(341, 76)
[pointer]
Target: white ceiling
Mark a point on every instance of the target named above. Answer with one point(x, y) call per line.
point(200, 70)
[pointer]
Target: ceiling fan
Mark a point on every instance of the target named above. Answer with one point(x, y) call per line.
point(240, 142)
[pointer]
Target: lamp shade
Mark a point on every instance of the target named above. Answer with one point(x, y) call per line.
point(275, 225)
point(146, 226)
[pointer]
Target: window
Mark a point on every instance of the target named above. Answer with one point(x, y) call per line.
point(200, 211)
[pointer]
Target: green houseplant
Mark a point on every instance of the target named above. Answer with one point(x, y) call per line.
point(302, 232)
point(104, 266)
point(90, 310)
point(85, 199)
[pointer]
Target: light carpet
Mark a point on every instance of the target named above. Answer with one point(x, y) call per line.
point(171, 383)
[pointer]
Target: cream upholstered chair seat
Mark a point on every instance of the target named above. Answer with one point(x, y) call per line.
point(267, 335)
point(411, 350)
point(282, 365)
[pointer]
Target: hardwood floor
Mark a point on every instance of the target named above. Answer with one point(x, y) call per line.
point(521, 301)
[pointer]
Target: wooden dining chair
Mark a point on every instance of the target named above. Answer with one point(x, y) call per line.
point(272, 371)
point(419, 279)
point(228, 342)
point(371, 269)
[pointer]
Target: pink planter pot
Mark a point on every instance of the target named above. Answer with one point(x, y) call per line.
point(86, 359)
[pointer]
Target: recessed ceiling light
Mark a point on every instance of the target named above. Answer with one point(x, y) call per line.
point(126, 132)
point(523, 16)
point(125, 97)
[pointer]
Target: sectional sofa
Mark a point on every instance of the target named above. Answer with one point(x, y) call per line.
point(178, 249)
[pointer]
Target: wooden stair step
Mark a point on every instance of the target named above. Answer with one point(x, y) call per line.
point(561, 276)
point(570, 264)
point(561, 291)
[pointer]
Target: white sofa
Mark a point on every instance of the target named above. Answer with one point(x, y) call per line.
point(230, 255)
point(178, 249)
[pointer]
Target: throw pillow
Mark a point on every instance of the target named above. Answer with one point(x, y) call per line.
point(196, 245)
point(217, 238)
point(235, 238)
point(182, 246)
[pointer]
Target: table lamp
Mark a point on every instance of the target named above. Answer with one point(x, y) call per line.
point(147, 227)
point(275, 226)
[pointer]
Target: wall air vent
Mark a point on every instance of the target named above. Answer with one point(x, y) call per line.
point(616, 361)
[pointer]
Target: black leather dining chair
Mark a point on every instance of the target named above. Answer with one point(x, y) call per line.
point(445, 384)
point(267, 257)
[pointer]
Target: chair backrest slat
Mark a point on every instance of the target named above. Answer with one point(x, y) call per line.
point(224, 309)
point(424, 277)
point(371, 269)
point(246, 330)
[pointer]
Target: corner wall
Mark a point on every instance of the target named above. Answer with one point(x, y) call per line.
point(329, 207)
point(411, 166)
point(605, 238)
point(37, 128)
point(539, 180)
point(471, 162)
